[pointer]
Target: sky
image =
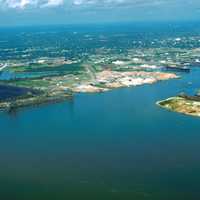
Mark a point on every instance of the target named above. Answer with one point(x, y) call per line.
point(37, 12)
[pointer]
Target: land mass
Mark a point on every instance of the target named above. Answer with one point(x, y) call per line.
point(185, 104)
point(55, 78)
point(51, 89)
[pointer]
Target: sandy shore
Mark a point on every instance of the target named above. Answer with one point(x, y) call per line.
point(107, 80)
point(181, 105)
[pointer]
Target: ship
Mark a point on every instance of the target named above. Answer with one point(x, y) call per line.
point(178, 69)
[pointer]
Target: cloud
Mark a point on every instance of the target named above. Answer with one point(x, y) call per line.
point(100, 2)
point(53, 3)
point(23, 4)
point(133, 3)
point(82, 2)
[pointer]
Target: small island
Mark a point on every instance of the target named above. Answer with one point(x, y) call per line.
point(185, 104)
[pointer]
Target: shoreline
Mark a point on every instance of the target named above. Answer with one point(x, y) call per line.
point(187, 105)
point(105, 81)
point(33, 100)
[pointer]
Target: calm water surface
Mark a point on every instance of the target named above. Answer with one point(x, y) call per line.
point(114, 145)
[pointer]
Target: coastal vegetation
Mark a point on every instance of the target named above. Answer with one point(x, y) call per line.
point(189, 105)
point(57, 72)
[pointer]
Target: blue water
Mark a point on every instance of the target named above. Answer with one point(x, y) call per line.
point(113, 145)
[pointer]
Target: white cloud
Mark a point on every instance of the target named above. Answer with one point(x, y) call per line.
point(89, 2)
point(53, 3)
point(22, 4)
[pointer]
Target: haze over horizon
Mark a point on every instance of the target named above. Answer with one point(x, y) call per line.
point(35, 12)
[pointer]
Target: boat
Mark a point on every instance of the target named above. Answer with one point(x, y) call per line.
point(178, 69)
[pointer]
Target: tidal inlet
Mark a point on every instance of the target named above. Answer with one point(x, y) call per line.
point(99, 100)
